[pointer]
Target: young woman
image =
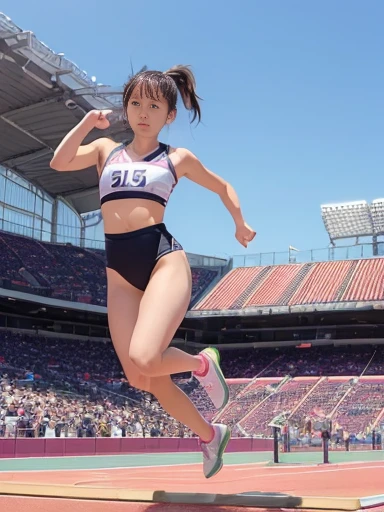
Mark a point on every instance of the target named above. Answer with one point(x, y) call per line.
point(149, 278)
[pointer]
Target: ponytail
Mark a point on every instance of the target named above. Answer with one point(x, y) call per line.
point(186, 84)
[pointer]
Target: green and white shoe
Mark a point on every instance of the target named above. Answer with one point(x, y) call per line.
point(213, 451)
point(213, 381)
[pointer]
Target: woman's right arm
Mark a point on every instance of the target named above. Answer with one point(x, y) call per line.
point(70, 155)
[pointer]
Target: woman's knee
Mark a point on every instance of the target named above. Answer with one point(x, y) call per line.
point(135, 377)
point(145, 361)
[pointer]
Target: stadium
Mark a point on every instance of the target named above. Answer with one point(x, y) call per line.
point(301, 334)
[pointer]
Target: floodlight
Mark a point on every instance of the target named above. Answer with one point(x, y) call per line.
point(377, 214)
point(347, 220)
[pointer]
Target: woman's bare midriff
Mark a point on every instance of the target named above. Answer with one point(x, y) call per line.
point(124, 215)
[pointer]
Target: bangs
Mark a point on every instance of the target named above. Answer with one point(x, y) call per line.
point(151, 88)
point(153, 85)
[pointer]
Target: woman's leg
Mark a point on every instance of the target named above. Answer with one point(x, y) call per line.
point(123, 303)
point(154, 317)
point(177, 404)
point(123, 309)
point(162, 309)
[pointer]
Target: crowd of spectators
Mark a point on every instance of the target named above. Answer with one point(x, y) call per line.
point(71, 387)
point(98, 360)
point(316, 361)
point(29, 410)
point(65, 387)
point(66, 272)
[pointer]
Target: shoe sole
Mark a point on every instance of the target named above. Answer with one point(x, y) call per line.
point(217, 467)
point(216, 360)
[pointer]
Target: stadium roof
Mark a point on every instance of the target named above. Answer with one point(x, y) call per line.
point(43, 96)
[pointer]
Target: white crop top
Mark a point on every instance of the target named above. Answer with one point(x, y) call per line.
point(153, 178)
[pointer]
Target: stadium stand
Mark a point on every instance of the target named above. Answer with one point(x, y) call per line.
point(284, 399)
point(361, 405)
point(326, 395)
point(66, 272)
point(77, 383)
point(297, 284)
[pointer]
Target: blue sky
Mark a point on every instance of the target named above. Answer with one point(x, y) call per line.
point(293, 110)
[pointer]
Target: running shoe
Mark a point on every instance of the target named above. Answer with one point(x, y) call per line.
point(213, 381)
point(213, 451)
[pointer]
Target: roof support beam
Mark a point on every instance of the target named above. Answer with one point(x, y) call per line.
point(26, 132)
point(32, 106)
point(99, 90)
point(26, 157)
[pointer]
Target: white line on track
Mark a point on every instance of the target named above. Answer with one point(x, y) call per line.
point(295, 473)
point(96, 469)
point(133, 468)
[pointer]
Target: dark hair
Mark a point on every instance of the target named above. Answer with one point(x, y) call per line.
point(167, 83)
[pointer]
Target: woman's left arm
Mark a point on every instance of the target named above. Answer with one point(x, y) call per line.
point(190, 167)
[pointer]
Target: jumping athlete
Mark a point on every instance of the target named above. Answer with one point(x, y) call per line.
point(148, 274)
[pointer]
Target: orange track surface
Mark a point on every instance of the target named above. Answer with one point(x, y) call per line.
point(43, 505)
point(342, 480)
